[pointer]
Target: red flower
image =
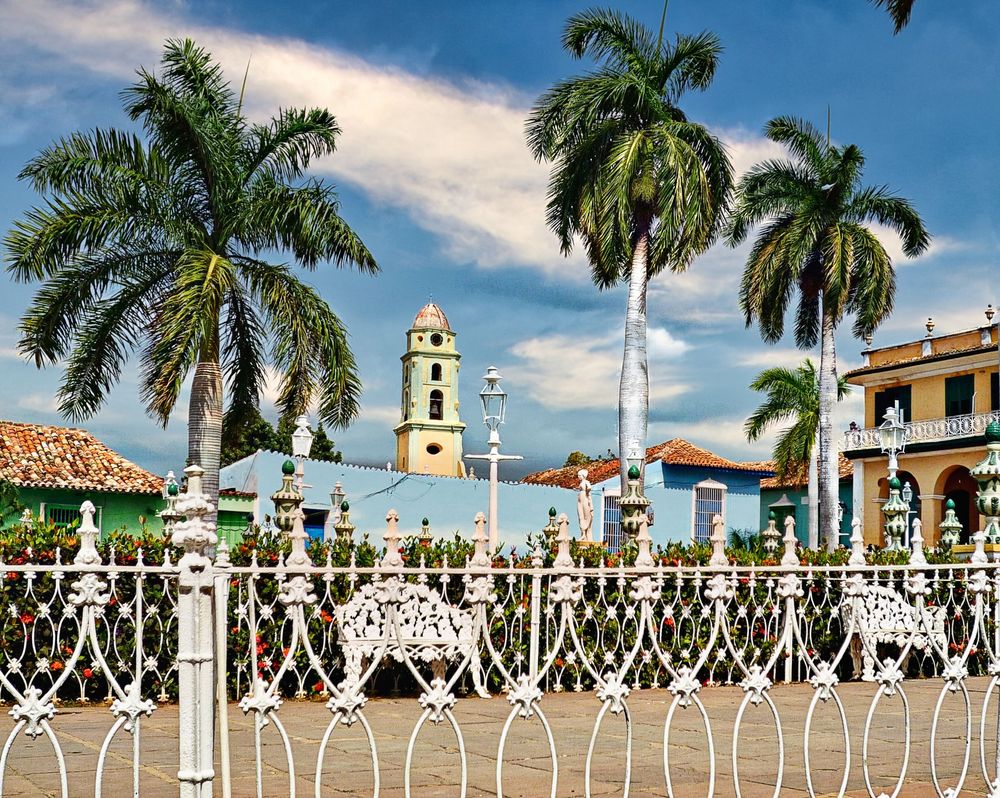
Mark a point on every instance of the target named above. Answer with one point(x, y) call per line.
point(27, 618)
point(57, 666)
point(318, 687)
point(88, 673)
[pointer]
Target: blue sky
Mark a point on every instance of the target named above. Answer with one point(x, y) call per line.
point(433, 172)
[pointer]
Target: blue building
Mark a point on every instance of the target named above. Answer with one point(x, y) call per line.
point(687, 485)
point(449, 503)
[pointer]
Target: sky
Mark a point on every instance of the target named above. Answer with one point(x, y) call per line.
point(433, 173)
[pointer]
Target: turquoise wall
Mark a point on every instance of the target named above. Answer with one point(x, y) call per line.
point(769, 496)
point(670, 489)
point(449, 503)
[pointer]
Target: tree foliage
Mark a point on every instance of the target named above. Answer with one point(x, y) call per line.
point(792, 395)
point(154, 245)
point(258, 434)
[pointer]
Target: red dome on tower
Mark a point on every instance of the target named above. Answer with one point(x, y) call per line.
point(432, 317)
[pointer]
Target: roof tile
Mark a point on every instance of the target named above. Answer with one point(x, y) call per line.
point(676, 451)
point(42, 456)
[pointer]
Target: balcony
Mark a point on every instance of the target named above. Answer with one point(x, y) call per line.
point(929, 431)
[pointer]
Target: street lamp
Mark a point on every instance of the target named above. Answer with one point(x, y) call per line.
point(493, 399)
point(907, 495)
point(337, 497)
point(892, 434)
point(302, 441)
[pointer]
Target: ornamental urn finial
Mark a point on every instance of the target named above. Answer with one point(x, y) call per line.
point(987, 473)
point(286, 499)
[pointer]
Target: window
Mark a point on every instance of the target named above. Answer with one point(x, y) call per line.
point(436, 372)
point(958, 393)
point(709, 501)
point(612, 523)
point(887, 398)
point(65, 515)
point(437, 339)
point(433, 448)
point(437, 405)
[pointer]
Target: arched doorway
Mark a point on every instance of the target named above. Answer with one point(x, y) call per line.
point(907, 480)
point(957, 484)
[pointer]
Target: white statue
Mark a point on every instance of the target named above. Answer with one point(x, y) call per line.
point(584, 506)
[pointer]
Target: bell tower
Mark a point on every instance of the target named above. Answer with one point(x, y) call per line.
point(429, 433)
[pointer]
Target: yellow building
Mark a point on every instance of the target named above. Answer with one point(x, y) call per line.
point(946, 386)
point(429, 433)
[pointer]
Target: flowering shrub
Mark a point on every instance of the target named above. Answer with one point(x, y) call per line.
point(39, 632)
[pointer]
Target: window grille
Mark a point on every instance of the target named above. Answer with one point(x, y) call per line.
point(612, 524)
point(65, 515)
point(709, 501)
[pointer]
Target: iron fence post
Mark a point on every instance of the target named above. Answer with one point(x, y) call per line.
point(195, 644)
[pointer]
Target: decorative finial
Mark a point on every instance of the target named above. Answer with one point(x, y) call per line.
point(990, 312)
point(563, 557)
point(481, 557)
point(868, 340)
point(930, 326)
point(392, 559)
point(790, 557)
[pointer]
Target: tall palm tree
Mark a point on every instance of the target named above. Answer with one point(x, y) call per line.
point(644, 187)
point(814, 239)
point(792, 396)
point(899, 10)
point(155, 247)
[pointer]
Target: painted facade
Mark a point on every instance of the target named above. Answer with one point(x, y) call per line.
point(686, 484)
point(429, 433)
point(449, 503)
point(947, 388)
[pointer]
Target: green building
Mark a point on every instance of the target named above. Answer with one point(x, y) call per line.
point(55, 469)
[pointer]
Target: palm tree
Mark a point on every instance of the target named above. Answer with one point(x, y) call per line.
point(645, 188)
point(792, 395)
point(154, 248)
point(899, 10)
point(814, 239)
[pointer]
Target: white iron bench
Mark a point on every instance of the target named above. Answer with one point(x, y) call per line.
point(430, 630)
point(886, 616)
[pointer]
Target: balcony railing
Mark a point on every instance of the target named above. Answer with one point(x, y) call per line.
point(927, 431)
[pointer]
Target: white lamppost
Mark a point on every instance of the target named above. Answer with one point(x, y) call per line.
point(337, 497)
point(494, 402)
point(907, 496)
point(892, 434)
point(302, 441)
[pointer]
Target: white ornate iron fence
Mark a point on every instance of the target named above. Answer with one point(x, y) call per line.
point(206, 631)
point(927, 431)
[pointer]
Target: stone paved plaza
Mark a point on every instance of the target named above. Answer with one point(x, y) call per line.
point(527, 771)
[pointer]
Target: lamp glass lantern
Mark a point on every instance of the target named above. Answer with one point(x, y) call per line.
point(302, 438)
point(892, 433)
point(337, 497)
point(494, 401)
point(634, 457)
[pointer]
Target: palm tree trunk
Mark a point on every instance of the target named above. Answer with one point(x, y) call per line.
point(633, 391)
point(813, 497)
point(828, 483)
point(205, 427)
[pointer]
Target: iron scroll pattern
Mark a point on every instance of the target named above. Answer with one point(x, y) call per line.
point(86, 632)
point(532, 631)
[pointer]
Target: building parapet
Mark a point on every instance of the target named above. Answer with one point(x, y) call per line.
point(932, 430)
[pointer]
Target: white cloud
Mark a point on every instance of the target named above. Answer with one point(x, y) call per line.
point(451, 156)
point(582, 372)
point(894, 246)
point(39, 402)
point(771, 357)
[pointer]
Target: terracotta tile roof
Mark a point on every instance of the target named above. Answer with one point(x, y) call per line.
point(905, 361)
point(673, 452)
point(800, 477)
point(236, 493)
point(40, 456)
